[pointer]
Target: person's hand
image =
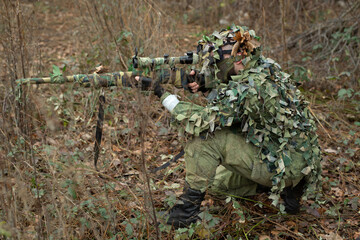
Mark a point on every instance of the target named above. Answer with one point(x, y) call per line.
point(194, 86)
point(143, 82)
point(196, 82)
point(158, 89)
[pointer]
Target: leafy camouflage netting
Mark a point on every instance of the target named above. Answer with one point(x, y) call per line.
point(271, 112)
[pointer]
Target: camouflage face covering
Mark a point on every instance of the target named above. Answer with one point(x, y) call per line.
point(226, 67)
point(241, 39)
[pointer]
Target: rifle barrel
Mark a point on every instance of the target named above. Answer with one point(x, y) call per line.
point(120, 79)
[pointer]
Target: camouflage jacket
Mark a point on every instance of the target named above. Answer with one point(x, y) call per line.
point(271, 112)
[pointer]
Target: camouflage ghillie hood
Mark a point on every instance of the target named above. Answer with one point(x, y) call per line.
point(244, 44)
point(242, 40)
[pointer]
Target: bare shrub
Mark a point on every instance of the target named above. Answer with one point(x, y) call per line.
point(48, 185)
point(114, 29)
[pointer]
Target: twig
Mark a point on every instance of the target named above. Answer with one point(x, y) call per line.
point(114, 39)
point(106, 176)
point(356, 5)
point(342, 120)
point(278, 224)
point(314, 232)
point(257, 224)
point(21, 38)
point(282, 9)
point(244, 233)
point(246, 199)
point(338, 213)
point(319, 122)
point(141, 133)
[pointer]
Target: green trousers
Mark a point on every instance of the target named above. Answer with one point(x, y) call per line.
point(226, 163)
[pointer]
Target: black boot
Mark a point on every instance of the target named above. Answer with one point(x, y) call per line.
point(183, 214)
point(292, 196)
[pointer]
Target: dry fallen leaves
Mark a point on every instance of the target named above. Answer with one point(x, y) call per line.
point(115, 148)
point(337, 191)
point(331, 236)
point(264, 237)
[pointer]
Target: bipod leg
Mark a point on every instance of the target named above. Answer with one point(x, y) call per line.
point(99, 129)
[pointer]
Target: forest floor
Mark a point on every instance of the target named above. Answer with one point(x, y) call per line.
point(116, 202)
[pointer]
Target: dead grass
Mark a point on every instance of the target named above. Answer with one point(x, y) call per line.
point(48, 185)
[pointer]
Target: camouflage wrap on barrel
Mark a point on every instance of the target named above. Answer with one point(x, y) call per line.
point(120, 79)
point(174, 76)
point(153, 63)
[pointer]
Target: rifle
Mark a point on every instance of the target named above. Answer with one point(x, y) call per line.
point(125, 79)
point(163, 66)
